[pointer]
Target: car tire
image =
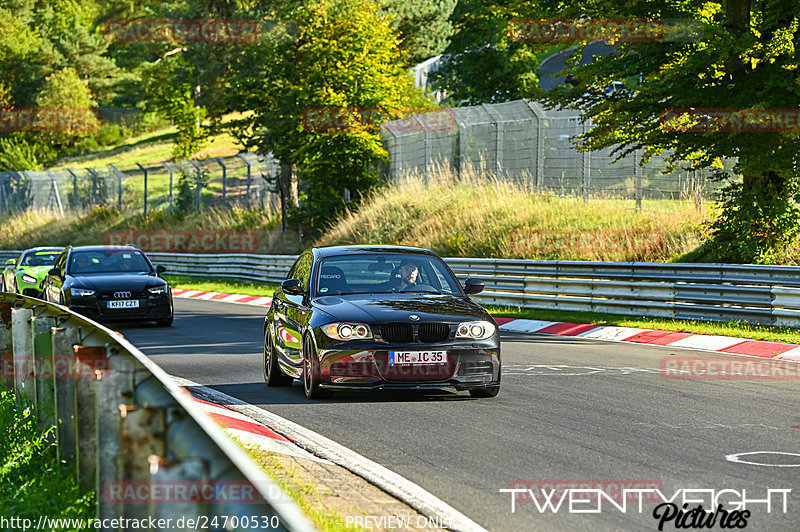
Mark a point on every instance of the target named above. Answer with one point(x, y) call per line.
point(166, 322)
point(311, 372)
point(273, 375)
point(487, 391)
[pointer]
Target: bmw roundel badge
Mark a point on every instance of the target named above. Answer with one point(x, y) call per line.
point(413, 317)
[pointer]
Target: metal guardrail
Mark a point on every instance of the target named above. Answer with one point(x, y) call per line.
point(126, 429)
point(768, 295)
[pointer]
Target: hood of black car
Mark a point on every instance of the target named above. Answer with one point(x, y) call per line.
point(104, 283)
point(384, 308)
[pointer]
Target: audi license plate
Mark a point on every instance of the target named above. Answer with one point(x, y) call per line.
point(417, 357)
point(124, 303)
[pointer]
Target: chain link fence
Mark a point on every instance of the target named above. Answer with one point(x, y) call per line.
point(521, 141)
point(185, 185)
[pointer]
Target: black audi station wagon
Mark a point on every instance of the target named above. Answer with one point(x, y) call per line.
point(110, 283)
point(379, 317)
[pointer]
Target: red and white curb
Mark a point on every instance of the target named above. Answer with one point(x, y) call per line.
point(705, 342)
point(258, 301)
point(250, 432)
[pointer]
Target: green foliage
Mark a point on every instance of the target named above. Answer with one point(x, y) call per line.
point(32, 481)
point(423, 26)
point(186, 198)
point(482, 64)
point(758, 225)
point(66, 96)
point(18, 154)
point(341, 54)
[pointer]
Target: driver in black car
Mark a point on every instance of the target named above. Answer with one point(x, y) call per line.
point(403, 277)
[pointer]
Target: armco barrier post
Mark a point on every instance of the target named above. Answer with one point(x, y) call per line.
point(171, 472)
point(6, 347)
point(42, 341)
point(87, 358)
point(23, 369)
point(142, 435)
point(114, 387)
point(64, 338)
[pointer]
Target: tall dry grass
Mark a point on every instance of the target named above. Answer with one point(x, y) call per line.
point(47, 228)
point(474, 216)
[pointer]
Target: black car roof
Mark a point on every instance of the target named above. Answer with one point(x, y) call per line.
point(104, 248)
point(332, 251)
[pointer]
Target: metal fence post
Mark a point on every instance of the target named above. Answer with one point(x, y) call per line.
point(44, 370)
point(119, 185)
point(87, 358)
point(144, 170)
point(6, 347)
point(249, 174)
point(637, 163)
point(698, 186)
point(142, 435)
point(224, 181)
point(23, 367)
point(427, 146)
point(198, 186)
point(114, 387)
point(169, 169)
point(64, 338)
point(497, 124)
point(94, 185)
point(74, 189)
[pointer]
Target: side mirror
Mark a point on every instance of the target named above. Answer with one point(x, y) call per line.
point(293, 287)
point(55, 272)
point(474, 286)
point(11, 262)
point(160, 269)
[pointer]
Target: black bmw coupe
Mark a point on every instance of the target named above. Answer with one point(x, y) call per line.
point(379, 317)
point(110, 283)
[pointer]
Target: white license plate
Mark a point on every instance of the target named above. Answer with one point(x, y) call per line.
point(417, 357)
point(124, 303)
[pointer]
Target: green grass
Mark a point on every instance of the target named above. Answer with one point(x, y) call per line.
point(155, 146)
point(45, 228)
point(32, 481)
point(737, 329)
point(249, 288)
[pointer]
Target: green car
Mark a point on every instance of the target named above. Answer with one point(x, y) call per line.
point(25, 275)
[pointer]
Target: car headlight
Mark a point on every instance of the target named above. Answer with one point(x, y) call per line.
point(82, 292)
point(476, 330)
point(158, 290)
point(348, 331)
point(28, 279)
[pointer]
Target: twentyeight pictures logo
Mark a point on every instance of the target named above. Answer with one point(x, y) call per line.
point(680, 509)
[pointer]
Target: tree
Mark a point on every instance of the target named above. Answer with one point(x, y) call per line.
point(744, 57)
point(423, 26)
point(481, 63)
point(339, 59)
point(65, 106)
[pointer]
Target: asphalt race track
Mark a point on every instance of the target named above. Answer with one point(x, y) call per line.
point(569, 409)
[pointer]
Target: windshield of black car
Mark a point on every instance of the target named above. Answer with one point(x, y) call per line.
point(384, 273)
point(39, 258)
point(92, 262)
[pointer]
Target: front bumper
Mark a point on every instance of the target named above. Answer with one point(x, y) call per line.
point(369, 369)
point(150, 309)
